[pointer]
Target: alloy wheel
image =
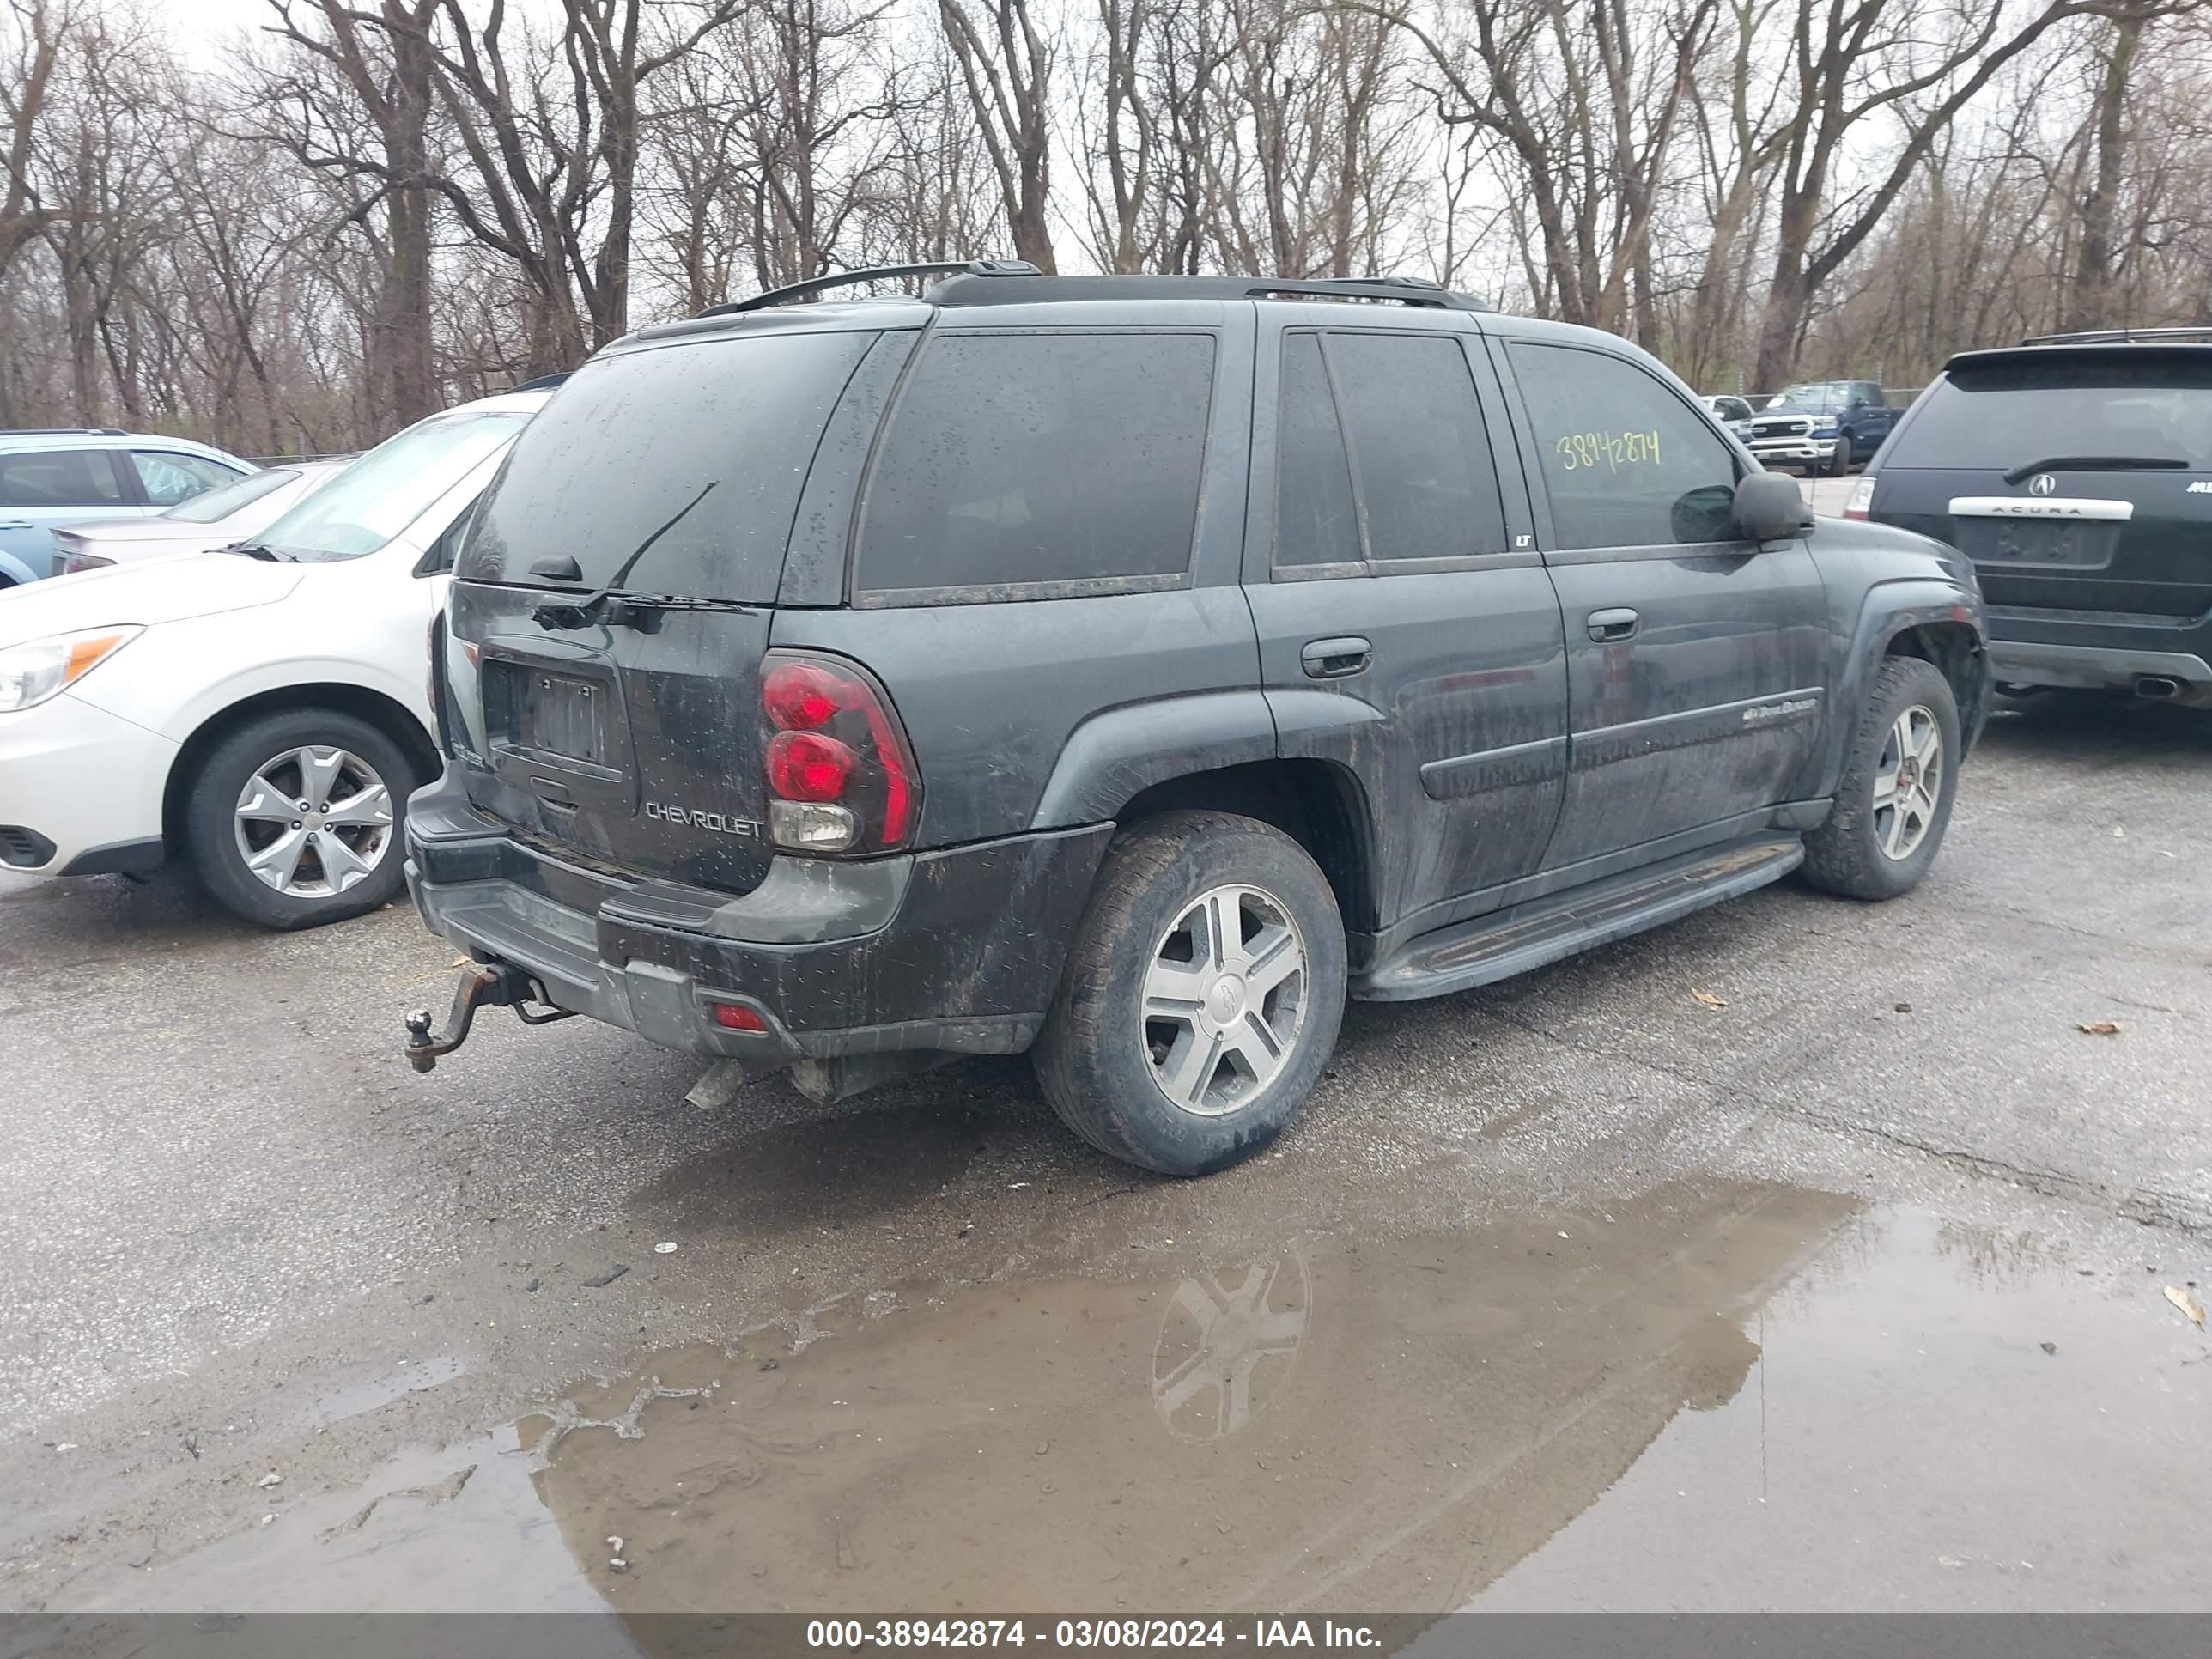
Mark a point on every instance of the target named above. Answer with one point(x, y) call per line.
point(1224, 1000)
point(314, 822)
point(1908, 783)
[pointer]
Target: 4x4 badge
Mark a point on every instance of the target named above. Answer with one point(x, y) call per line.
point(2042, 484)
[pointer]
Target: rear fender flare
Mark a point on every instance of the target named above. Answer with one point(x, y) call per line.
point(1112, 756)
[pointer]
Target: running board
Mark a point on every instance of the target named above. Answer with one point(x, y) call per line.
point(1501, 945)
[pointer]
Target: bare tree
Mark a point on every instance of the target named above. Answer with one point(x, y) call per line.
point(379, 65)
point(1006, 71)
point(30, 48)
point(1916, 62)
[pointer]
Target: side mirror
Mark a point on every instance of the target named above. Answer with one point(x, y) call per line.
point(1770, 507)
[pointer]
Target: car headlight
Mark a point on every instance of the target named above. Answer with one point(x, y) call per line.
point(1825, 427)
point(29, 674)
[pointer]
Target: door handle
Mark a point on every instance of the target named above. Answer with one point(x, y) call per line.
point(1611, 626)
point(1336, 659)
point(14, 524)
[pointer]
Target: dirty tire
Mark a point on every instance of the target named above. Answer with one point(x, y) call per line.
point(1096, 1060)
point(1840, 462)
point(212, 804)
point(1844, 856)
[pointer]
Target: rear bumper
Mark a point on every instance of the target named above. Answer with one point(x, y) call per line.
point(958, 951)
point(2102, 652)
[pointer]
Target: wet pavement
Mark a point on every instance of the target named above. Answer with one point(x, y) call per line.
point(1580, 1291)
point(1738, 1397)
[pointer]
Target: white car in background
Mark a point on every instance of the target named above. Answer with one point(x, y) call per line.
point(261, 710)
point(1735, 412)
point(232, 514)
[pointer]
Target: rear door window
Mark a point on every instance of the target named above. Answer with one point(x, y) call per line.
point(59, 477)
point(1415, 482)
point(1070, 461)
point(1997, 417)
point(1626, 462)
point(673, 469)
point(1428, 488)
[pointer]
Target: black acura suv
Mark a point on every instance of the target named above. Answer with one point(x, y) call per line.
point(2076, 472)
point(1129, 669)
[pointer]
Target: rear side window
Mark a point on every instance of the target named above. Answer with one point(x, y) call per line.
point(1059, 459)
point(675, 469)
point(1627, 463)
point(59, 477)
point(2001, 416)
point(1417, 472)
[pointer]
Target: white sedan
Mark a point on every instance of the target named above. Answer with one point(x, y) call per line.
point(261, 710)
point(217, 519)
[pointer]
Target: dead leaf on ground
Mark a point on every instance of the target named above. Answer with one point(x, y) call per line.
point(1708, 998)
point(2100, 1028)
point(2191, 1308)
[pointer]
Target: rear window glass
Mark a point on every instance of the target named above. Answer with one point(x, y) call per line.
point(2010, 415)
point(676, 469)
point(216, 505)
point(1044, 458)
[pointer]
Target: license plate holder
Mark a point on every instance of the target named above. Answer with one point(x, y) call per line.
point(558, 713)
point(2039, 544)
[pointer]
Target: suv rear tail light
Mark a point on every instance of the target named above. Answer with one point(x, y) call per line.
point(77, 562)
point(1862, 497)
point(808, 766)
point(839, 769)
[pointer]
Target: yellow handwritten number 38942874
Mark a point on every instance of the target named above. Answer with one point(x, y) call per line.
point(1610, 450)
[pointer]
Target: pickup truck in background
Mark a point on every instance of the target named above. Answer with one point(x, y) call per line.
point(1822, 426)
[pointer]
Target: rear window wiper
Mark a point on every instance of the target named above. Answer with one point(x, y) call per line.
point(260, 550)
point(617, 610)
point(642, 611)
point(2098, 463)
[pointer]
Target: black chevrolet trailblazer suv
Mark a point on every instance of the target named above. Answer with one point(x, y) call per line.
point(2076, 472)
point(1129, 669)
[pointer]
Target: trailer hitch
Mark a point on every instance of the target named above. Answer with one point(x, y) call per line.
point(482, 985)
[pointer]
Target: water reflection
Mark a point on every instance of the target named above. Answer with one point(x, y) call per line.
point(1369, 1424)
point(1223, 1353)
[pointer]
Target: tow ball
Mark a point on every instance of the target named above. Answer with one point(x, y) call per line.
point(482, 985)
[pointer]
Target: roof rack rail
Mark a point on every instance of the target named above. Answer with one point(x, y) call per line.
point(2121, 336)
point(1415, 291)
point(807, 290)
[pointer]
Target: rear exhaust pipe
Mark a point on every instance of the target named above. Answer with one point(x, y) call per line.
point(2156, 687)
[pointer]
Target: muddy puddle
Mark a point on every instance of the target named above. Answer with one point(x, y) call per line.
point(1722, 1399)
